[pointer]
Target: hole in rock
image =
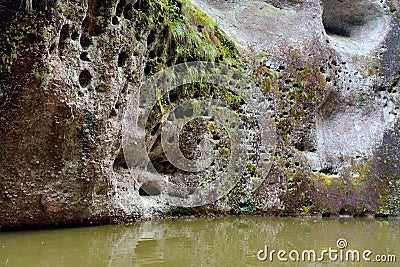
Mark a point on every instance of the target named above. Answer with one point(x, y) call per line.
point(122, 58)
point(141, 5)
point(147, 69)
point(84, 56)
point(75, 35)
point(53, 48)
point(343, 211)
point(328, 170)
point(149, 189)
point(115, 20)
point(151, 38)
point(31, 38)
point(84, 78)
point(8, 50)
point(120, 8)
point(326, 213)
point(354, 26)
point(128, 12)
point(85, 41)
point(120, 162)
point(64, 34)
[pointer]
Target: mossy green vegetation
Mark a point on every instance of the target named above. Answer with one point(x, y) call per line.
point(320, 177)
point(154, 35)
point(297, 88)
point(189, 34)
point(363, 170)
point(326, 180)
point(389, 204)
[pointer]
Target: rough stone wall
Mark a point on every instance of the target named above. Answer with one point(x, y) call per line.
point(335, 65)
point(331, 71)
point(64, 80)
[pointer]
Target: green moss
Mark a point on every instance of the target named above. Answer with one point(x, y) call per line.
point(227, 151)
point(389, 203)
point(179, 31)
point(363, 170)
point(199, 17)
point(326, 211)
point(189, 33)
point(329, 181)
point(320, 177)
point(371, 65)
point(41, 74)
point(298, 89)
point(212, 36)
point(241, 200)
point(161, 102)
point(307, 209)
point(252, 168)
point(294, 180)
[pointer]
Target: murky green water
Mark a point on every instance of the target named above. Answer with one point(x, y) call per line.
point(204, 242)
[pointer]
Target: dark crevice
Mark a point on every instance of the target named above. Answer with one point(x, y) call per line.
point(85, 40)
point(84, 78)
point(31, 38)
point(52, 48)
point(115, 20)
point(327, 170)
point(348, 17)
point(151, 38)
point(300, 146)
point(149, 189)
point(128, 12)
point(75, 35)
point(120, 162)
point(326, 214)
point(337, 31)
point(122, 57)
point(91, 27)
point(84, 56)
point(148, 69)
point(120, 8)
point(141, 5)
point(343, 211)
point(64, 34)
point(8, 50)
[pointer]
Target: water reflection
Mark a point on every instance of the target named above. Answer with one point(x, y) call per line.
point(197, 242)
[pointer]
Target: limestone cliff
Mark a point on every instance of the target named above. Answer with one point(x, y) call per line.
point(70, 68)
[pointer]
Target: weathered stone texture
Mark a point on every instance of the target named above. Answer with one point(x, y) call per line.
point(331, 68)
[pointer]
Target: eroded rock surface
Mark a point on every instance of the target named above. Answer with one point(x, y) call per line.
point(355, 46)
point(68, 70)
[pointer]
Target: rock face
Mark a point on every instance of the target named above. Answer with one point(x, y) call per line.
point(69, 69)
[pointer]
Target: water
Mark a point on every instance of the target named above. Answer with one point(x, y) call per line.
point(201, 242)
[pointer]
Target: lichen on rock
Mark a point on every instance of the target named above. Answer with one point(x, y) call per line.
point(69, 69)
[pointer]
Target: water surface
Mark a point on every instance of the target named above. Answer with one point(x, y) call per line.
point(201, 242)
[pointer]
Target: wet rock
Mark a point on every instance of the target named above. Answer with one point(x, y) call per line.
point(69, 70)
